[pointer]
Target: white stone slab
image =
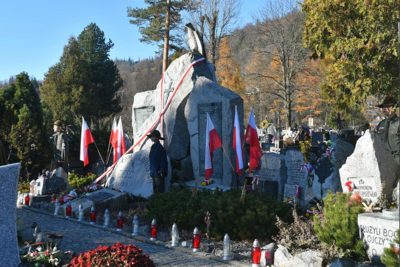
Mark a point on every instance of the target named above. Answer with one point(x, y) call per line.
point(377, 231)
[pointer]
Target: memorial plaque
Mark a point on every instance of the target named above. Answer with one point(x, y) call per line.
point(101, 196)
point(141, 115)
point(271, 188)
point(215, 112)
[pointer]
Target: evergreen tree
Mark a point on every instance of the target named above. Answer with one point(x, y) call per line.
point(157, 21)
point(358, 40)
point(85, 81)
point(21, 124)
point(390, 256)
point(338, 225)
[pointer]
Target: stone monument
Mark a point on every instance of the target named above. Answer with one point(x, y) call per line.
point(183, 124)
point(369, 167)
point(9, 254)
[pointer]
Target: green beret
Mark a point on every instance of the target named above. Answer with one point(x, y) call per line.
point(58, 123)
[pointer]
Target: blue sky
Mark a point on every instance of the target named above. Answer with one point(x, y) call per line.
point(34, 32)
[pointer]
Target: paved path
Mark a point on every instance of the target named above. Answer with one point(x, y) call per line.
point(80, 238)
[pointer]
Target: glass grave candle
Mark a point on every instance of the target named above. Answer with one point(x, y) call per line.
point(68, 210)
point(92, 215)
point(106, 218)
point(80, 216)
point(153, 230)
point(174, 235)
point(57, 207)
point(120, 222)
point(227, 248)
point(135, 226)
point(196, 240)
point(256, 254)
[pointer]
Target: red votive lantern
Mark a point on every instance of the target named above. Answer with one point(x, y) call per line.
point(61, 201)
point(153, 230)
point(120, 222)
point(68, 210)
point(92, 216)
point(27, 200)
point(196, 240)
point(256, 253)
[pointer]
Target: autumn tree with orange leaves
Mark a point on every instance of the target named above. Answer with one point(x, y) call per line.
point(228, 73)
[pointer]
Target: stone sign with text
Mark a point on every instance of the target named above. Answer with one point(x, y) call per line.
point(296, 176)
point(215, 112)
point(142, 114)
point(377, 231)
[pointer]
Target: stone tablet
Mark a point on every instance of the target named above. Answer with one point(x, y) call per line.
point(377, 231)
point(142, 114)
point(294, 160)
point(369, 167)
point(272, 169)
point(215, 112)
point(132, 174)
point(9, 254)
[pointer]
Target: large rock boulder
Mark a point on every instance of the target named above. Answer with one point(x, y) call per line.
point(305, 259)
point(327, 176)
point(369, 167)
point(132, 174)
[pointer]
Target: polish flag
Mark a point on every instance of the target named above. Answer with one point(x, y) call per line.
point(86, 139)
point(252, 138)
point(237, 144)
point(114, 139)
point(212, 143)
point(121, 140)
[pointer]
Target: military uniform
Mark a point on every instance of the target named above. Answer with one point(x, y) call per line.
point(389, 131)
point(60, 150)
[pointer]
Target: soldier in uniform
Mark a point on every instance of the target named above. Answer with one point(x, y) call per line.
point(389, 128)
point(60, 147)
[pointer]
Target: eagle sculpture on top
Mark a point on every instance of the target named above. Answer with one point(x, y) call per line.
point(194, 40)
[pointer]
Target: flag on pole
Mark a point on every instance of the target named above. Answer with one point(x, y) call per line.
point(237, 144)
point(114, 139)
point(121, 140)
point(86, 139)
point(252, 138)
point(212, 143)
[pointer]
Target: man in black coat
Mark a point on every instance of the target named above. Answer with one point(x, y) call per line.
point(158, 162)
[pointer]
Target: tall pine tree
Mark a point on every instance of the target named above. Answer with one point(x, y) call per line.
point(157, 21)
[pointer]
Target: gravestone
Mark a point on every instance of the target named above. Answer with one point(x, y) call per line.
point(327, 176)
point(180, 125)
point(377, 231)
point(57, 181)
point(273, 174)
point(40, 186)
point(296, 176)
point(9, 255)
point(132, 174)
point(102, 199)
point(370, 165)
point(215, 112)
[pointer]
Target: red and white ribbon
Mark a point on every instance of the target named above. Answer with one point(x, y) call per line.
point(350, 185)
point(157, 120)
point(329, 152)
point(304, 166)
point(296, 191)
point(70, 196)
point(256, 179)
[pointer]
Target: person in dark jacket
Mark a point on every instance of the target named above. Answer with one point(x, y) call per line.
point(158, 162)
point(389, 128)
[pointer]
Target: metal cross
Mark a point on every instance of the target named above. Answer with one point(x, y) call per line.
point(339, 124)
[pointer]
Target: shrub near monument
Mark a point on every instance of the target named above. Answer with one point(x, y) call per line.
point(253, 219)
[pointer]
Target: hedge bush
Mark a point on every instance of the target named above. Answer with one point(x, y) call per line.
point(253, 219)
point(80, 181)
